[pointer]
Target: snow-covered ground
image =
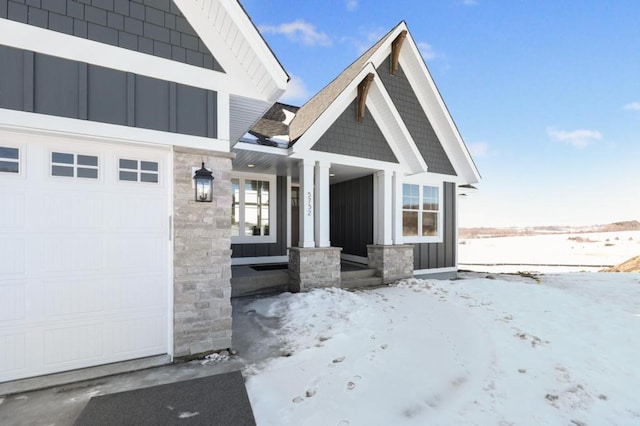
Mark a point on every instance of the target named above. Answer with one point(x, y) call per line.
point(555, 251)
point(560, 349)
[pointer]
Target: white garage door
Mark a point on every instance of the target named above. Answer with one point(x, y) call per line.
point(84, 254)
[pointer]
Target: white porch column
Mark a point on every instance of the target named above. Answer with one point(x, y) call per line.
point(397, 208)
point(322, 204)
point(306, 204)
point(383, 219)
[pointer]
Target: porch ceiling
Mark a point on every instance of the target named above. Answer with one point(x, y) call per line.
point(282, 165)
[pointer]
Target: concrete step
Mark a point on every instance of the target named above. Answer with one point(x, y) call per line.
point(361, 282)
point(361, 273)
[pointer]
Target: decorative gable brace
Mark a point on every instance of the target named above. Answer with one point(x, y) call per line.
point(363, 89)
point(396, 46)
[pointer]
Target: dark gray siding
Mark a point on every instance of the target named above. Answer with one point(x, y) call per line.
point(348, 137)
point(279, 248)
point(155, 27)
point(107, 84)
point(414, 117)
point(351, 215)
point(48, 85)
point(440, 255)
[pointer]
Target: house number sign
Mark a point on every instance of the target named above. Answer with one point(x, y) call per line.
point(309, 204)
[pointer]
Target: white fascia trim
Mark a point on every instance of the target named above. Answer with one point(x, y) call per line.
point(245, 146)
point(437, 177)
point(263, 51)
point(29, 122)
point(29, 37)
point(229, 34)
point(364, 163)
point(437, 111)
point(434, 271)
point(170, 258)
point(258, 260)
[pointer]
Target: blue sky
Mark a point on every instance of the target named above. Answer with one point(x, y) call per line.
point(546, 94)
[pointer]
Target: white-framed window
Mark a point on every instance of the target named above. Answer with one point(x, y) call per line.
point(421, 213)
point(253, 209)
point(9, 159)
point(138, 170)
point(74, 165)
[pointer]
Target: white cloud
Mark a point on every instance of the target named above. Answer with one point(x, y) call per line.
point(296, 92)
point(479, 149)
point(427, 51)
point(578, 138)
point(366, 39)
point(351, 5)
point(298, 31)
point(635, 106)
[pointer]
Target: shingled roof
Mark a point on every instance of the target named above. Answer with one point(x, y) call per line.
point(310, 111)
point(274, 125)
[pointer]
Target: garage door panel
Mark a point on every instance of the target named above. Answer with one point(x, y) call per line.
point(72, 297)
point(68, 255)
point(136, 292)
point(12, 353)
point(73, 343)
point(71, 211)
point(138, 334)
point(12, 255)
point(12, 301)
point(135, 253)
point(136, 213)
point(12, 210)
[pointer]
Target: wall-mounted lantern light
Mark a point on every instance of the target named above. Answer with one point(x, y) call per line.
point(204, 185)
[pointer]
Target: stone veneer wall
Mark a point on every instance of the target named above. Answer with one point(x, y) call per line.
point(202, 256)
point(393, 263)
point(314, 268)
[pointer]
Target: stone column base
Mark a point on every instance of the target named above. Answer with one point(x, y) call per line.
point(314, 268)
point(392, 263)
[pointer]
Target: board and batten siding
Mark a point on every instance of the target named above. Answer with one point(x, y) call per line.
point(279, 248)
point(351, 215)
point(440, 255)
point(45, 84)
point(153, 27)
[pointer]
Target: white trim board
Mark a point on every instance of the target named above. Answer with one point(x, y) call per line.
point(241, 261)
point(29, 37)
point(29, 122)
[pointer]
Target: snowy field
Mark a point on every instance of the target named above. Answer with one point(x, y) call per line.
point(556, 350)
point(555, 251)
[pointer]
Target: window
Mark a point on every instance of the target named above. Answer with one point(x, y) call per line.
point(9, 160)
point(253, 209)
point(138, 171)
point(420, 211)
point(74, 165)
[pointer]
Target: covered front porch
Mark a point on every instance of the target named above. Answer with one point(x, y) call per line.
point(314, 212)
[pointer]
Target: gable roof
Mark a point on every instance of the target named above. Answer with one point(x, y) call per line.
point(258, 77)
point(427, 95)
point(310, 111)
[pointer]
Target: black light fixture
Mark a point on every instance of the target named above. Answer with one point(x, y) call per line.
point(204, 185)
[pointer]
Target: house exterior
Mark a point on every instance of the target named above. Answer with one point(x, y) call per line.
point(106, 109)
point(368, 170)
